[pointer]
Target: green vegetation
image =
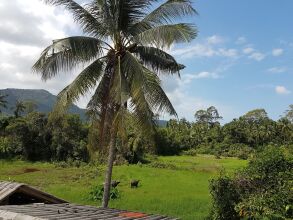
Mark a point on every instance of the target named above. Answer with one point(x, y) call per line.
point(36, 137)
point(240, 138)
point(122, 50)
point(263, 190)
point(122, 47)
point(180, 189)
point(171, 185)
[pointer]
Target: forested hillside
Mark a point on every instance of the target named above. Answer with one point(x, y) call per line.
point(35, 99)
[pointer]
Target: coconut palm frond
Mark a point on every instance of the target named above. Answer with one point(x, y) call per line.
point(82, 84)
point(156, 96)
point(83, 17)
point(142, 111)
point(66, 54)
point(170, 11)
point(129, 13)
point(165, 35)
point(158, 60)
point(167, 12)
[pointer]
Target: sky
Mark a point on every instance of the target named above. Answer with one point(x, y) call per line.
point(241, 59)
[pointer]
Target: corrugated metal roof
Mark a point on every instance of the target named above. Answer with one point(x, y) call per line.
point(6, 188)
point(70, 211)
point(9, 188)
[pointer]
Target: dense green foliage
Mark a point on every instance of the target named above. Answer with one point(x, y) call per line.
point(240, 137)
point(37, 138)
point(263, 190)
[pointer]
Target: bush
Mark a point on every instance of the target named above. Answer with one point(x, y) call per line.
point(96, 193)
point(206, 149)
point(190, 152)
point(260, 191)
point(218, 156)
point(225, 197)
point(242, 151)
point(9, 148)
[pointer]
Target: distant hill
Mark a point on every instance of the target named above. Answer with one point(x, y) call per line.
point(43, 99)
point(162, 123)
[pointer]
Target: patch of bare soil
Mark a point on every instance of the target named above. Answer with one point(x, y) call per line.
point(30, 170)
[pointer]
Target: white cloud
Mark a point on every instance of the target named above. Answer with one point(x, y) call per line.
point(233, 53)
point(26, 28)
point(197, 50)
point(257, 56)
point(277, 52)
point(277, 70)
point(282, 90)
point(204, 50)
point(187, 78)
point(215, 39)
point(209, 47)
point(241, 40)
point(248, 50)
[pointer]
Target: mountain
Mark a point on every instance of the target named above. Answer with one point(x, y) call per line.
point(43, 99)
point(161, 123)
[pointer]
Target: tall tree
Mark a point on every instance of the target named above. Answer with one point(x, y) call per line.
point(19, 108)
point(30, 106)
point(210, 116)
point(289, 113)
point(256, 115)
point(3, 102)
point(124, 50)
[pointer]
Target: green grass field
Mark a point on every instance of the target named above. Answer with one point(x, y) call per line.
point(174, 186)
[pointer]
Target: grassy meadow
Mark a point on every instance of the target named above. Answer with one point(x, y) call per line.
point(176, 186)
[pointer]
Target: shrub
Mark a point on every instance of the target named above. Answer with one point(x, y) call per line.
point(225, 197)
point(218, 156)
point(96, 193)
point(260, 191)
point(206, 149)
point(190, 152)
point(9, 147)
point(242, 151)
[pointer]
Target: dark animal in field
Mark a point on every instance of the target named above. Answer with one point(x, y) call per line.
point(115, 183)
point(134, 183)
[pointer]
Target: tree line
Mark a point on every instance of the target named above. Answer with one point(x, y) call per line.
point(36, 136)
point(241, 137)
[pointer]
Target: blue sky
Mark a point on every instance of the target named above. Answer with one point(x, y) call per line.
point(241, 60)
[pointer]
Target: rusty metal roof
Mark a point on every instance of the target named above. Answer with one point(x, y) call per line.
point(70, 211)
point(7, 189)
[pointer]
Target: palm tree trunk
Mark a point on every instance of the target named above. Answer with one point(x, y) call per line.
point(108, 174)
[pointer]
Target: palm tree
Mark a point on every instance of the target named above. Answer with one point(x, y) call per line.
point(123, 49)
point(3, 102)
point(19, 108)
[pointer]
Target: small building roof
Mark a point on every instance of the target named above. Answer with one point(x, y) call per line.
point(12, 193)
point(19, 201)
point(70, 211)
